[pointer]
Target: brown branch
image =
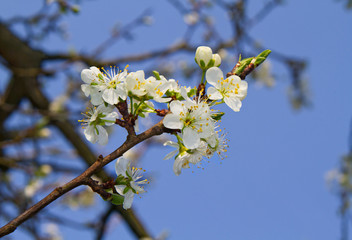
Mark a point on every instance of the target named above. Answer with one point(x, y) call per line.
point(81, 179)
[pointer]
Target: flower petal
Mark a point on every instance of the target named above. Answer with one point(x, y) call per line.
point(170, 155)
point(121, 166)
point(214, 94)
point(213, 75)
point(102, 135)
point(234, 103)
point(172, 121)
point(127, 203)
point(110, 96)
point(90, 134)
point(191, 138)
point(86, 89)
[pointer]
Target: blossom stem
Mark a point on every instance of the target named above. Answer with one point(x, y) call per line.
point(135, 111)
point(203, 75)
point(131, 100)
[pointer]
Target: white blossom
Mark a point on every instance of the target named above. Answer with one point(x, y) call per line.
point(132, 181)
point(108, 86)
point(157, 88)
point(231, 90)
point(113, 87)
point(92, 78)
point(135, 83)
point(193, 118)
point(96, 118)
point(203, 56)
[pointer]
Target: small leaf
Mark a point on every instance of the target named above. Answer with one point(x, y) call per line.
point(117, 199)
point(157, 75)
point(217, 116)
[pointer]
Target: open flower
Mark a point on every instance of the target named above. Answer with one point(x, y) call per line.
point(96, 118)
point(114, 88)
point(128, 181)
point(185, 156)
point(135, 83)
point(193, 118)
point(157, 88)
point(231, 90)
point(92, 77)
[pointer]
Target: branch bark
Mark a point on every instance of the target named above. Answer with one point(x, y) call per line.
point(82, 179)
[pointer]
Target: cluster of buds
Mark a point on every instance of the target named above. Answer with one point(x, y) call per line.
point(189, 113)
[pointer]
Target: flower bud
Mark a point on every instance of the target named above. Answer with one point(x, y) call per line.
point(203, 56)
point(217, 60)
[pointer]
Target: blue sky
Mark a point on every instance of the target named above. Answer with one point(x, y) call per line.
point(272, 184)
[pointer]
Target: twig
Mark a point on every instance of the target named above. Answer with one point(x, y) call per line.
point(81, 179)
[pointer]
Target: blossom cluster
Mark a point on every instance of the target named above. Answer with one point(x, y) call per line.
point(190, 113)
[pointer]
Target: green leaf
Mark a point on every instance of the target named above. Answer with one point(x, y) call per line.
point(217, 116)
point(243, 64)
point(157, 75)
point(264, 54)
point(261, 57)
point(202, 64)
point(126, 190)
point(192, 92)
point(117, 199)
point(211, 63)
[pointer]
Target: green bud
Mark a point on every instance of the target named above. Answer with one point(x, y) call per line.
point(264, 54)
point(243, 64)
point(156, 75)
point(75, 9)
point(217, 116)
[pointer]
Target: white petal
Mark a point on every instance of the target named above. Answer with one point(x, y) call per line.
point(96, 98)
point(120, 188)
point(213, 93)
point(213, 75)
point(86, 89)
point(121, 91)
point(172, 121)
point(234, 103)
point(177, 107)
point(137, 188)
point(127, 203)
point(110, 96)
point(111, 117)
point(191, 138)
point(90, 134)
point(88, 76)
point(121, 166)
point(162, 100)
point(171, 143)
point(178, 165)
point(170, 155)
point(102, 135)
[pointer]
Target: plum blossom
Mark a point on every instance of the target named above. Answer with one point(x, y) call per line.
point(92, 77)
point(135, 83)
point(96, 118)
point(108, 86)
point(130, 182)
point(192, 117)
point(185, 156)
point(157, 88)
point(113, 89)
point(231, 90)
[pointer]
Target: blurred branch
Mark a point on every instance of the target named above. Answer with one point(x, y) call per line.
point(83, 179)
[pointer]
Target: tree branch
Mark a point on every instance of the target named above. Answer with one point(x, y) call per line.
point(81, 179)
